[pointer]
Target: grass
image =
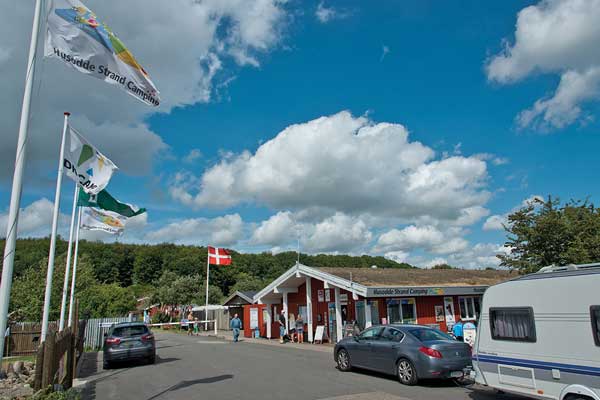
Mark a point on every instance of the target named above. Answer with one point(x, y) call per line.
point(12, 360)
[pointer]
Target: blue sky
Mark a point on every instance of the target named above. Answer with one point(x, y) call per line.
point(456, 76)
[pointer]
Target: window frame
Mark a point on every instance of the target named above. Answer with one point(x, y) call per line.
point(595, 319)
point(472, 300)
point(399, 305)
point(532, 339)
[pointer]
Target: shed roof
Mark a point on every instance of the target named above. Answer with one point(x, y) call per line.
point(420, 277)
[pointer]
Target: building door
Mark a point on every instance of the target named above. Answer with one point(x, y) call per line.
point(332, 322)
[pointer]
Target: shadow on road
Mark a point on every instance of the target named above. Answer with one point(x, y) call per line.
point(186, 384)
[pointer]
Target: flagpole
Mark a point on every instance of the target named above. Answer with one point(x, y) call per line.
point(207, 275)
point(50, 273)
point(63, 304)
point(75, 257)
point(17, 184)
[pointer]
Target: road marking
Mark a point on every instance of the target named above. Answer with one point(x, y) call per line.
point(367, 396)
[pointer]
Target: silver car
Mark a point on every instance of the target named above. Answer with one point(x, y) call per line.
point(411, 352)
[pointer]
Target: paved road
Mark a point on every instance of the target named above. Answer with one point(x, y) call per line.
point(208, 368)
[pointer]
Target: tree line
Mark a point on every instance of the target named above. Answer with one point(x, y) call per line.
point(112, 276)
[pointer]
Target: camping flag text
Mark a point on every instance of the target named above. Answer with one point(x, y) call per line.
point(75, 35)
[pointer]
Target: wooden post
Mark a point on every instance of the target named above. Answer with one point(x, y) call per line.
point(48, 363)
point(39, 367)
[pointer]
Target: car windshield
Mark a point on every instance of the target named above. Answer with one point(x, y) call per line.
point(129, 331)
point(427, 334)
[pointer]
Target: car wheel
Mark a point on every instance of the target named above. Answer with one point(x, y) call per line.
point(343, 360)
point(407, 375)
point(106, 365)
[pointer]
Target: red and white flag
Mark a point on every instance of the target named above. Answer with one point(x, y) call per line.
point(218, 256)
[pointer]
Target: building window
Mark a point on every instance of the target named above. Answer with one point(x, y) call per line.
point(302, 310)
point(469, 308)
point(595, 314)
point(513, 323)
point(402, 311)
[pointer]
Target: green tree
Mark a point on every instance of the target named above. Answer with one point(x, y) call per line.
point(547, 233)
point(102, 300)
point(148, 264)
point(27, 295)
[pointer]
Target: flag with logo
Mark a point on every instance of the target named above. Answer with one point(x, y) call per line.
point(85, 164)
point(218, 256)
point(105, 201)
point(76, 36)
point(93, 219)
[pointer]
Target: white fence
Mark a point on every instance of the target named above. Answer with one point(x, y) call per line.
point(96, 328)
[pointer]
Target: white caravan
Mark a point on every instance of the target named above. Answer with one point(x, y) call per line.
point(539, 335)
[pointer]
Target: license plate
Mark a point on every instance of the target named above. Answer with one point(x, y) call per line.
point(456, 374)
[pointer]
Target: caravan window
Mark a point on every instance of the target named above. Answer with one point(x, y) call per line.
point(595, 314)
point(513, 323)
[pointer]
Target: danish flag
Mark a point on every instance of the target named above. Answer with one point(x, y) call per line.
point(218, 256)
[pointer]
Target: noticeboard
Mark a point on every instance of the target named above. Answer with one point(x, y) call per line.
point(319, 333)
point(253, 318)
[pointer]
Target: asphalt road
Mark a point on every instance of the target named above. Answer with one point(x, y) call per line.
point(207, 368)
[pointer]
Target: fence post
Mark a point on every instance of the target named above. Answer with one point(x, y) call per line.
point(48, 363)
point(39, 367)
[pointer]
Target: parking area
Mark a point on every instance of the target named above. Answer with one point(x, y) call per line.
point(210, 368)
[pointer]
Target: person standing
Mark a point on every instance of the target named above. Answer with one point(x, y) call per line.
point(457, 331)
point(282, 324)
point(190, 320)
point(236, 325)
point(300, 328)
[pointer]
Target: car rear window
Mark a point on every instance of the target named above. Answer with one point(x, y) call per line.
point(129, 331)
point(426, 334)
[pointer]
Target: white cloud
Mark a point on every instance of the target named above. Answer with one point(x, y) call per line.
point(221, 231)
point(428, 238)
point(34, 220)
point(325, 13)
point(183, 45)
point(339, 233)
point(554, 37)
point(385, 50)
point(497, 222)
point(344, 164)
point(479, 256)
point(278, 229)
point(192, 156)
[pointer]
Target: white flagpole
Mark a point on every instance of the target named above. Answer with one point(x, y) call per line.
point(63, 304)
point(207, 275)
point(17, 184)
point(75, 257)
point(50, 273)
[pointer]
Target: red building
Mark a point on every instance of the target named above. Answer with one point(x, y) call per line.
point(334, 297)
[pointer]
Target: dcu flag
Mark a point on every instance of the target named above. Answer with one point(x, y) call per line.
point(75, 35)
point(85, 164)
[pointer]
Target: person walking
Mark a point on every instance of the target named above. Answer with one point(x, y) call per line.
point(300, 328)
point(189, 321)
point(457, 331)
point(236, 325)
point(282, 329)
